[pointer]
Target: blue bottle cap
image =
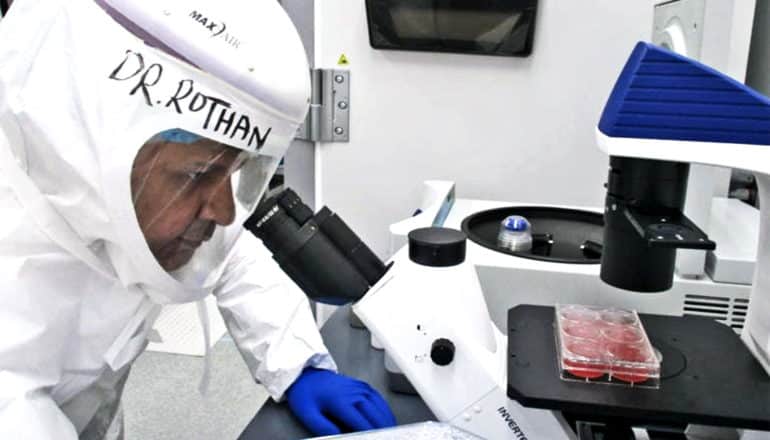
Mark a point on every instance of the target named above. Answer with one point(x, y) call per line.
point(515, 223)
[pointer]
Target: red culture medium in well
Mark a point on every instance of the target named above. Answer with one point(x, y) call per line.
point(629, 353)
point(585, 368)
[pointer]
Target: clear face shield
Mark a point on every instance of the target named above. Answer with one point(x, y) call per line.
point(191, 195)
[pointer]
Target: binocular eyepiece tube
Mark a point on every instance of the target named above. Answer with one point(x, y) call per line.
point(319, 252)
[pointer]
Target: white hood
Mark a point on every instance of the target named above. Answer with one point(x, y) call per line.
point(79, 95)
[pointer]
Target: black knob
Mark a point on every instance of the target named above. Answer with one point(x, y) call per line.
point(442, 352)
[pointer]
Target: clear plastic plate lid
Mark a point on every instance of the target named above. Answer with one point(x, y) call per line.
point(416, 431)
point(605, 345)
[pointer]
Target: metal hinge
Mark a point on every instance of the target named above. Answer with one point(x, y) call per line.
point(329, 117)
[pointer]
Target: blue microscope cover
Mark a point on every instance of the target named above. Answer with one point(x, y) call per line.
point(663, 95)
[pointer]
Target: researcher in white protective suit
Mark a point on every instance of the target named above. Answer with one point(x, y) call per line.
point(135, 139)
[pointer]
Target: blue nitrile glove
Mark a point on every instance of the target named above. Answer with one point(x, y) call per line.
point(328, 403)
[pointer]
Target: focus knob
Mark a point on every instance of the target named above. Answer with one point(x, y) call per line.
point(437, 247)
point(442, 352)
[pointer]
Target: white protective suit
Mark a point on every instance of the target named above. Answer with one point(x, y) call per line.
point(79, 287)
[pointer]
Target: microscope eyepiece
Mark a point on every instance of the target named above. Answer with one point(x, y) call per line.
point(319, 252)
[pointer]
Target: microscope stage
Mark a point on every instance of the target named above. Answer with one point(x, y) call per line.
point(708, 376)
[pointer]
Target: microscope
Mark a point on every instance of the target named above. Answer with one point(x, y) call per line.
point(427, 309)
point(665, 112)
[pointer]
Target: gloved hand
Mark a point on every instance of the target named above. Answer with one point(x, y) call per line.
point(328, 403)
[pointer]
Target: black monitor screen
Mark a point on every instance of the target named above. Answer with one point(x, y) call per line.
point(485, 27)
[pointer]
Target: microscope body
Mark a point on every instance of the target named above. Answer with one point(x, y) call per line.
point(425, 306)
point(665, 112)
point(430, 315)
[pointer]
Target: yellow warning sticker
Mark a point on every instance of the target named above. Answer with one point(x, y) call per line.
point(343, 61)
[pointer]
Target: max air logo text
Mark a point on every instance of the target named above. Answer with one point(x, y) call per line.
point(216, 28)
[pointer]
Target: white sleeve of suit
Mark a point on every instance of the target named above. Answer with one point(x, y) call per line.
point(32, 349)
point(269, 318)
point(27, 411)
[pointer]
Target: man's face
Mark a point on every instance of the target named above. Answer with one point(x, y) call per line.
point(181, 193)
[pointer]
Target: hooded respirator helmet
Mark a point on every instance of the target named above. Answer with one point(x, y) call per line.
point(146, 133)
